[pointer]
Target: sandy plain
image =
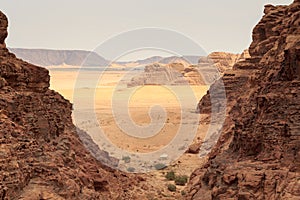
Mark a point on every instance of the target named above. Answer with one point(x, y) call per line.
point(138, 104)
point(138, 101)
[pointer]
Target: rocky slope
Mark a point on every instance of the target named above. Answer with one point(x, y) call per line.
point(46, 57)
point(41, 155)
point(258, 153)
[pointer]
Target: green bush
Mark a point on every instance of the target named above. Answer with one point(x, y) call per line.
point(172, 187)
point(170, 176)
point(183, 193)
point(126, 159)
point(181, 180)
point(160, 166)
point(130, 169)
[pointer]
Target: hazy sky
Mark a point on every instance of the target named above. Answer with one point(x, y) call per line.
point(216, 25)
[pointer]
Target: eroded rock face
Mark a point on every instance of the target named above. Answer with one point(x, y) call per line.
point(222, 60)
point(258, 153)
point(159, 74)
point(177, 71)
point(3, 29)
point(41, 154)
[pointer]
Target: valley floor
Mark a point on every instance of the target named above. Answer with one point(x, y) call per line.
point(139, 102)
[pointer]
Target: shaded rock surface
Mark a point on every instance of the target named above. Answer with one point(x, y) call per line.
point(258, 153)
point(41, 155)
point(3, 30)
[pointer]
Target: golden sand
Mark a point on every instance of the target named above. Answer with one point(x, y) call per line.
point(139, 104)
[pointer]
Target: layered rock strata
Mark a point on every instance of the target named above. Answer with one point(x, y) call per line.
point(258, 153)
point(41, 155)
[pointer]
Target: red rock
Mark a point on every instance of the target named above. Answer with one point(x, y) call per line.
point(41, 154)
point(3, 29)
point(194, 148)
point(260, 141)
point(229, 178)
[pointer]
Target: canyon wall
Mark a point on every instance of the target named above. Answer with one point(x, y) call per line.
point(41, 154)
point(258, 153)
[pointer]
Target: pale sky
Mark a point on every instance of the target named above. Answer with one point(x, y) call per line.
point(216, 25)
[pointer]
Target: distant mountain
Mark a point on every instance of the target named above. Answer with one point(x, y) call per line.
point(46, 57)
point(153, 59)
point(186, 60)
point(189, 60)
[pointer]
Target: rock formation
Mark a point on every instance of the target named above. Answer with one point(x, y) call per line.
point(178, 71)
point(185, 60)
point(3, 30)
point(222, 60)
point(159, 74)
point(41, 154)
point(258, 153)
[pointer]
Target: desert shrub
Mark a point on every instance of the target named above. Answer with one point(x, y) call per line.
point(181, 180)
point(172, 187)
point(126, 159)
point(170, 176)
point(130, 169)
point(183, 193)
point(159, 166)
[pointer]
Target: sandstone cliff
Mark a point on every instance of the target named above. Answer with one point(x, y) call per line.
point(258, 153)
point(221, 60)
point(179, 71)
point(159, 74)
point(41, 155)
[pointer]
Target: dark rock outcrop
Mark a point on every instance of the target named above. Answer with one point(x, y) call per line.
point(3, 30)
point(258, 153)
point(41, 154)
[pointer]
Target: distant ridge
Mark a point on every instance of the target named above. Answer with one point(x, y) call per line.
point(47, 57)
point(51, 57)
point(190, 60)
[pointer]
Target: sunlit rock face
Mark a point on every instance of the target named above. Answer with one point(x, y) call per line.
point(258, 153)
point(41, 154)
point(180, 72)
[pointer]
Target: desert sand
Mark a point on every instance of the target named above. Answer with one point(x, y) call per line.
point(140, 101)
